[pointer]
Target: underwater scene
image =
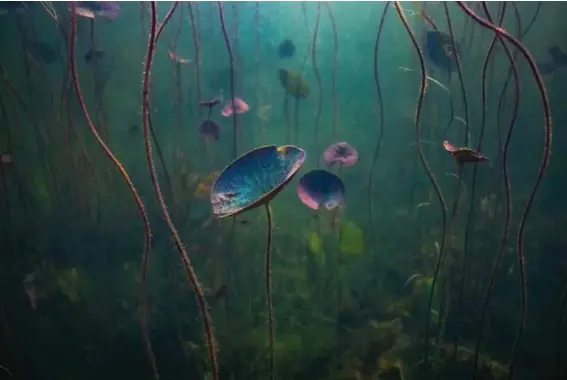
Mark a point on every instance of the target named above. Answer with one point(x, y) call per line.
point(283, 190)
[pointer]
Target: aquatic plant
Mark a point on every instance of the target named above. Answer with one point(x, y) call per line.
point(376, 153)
point(80, 203)
point(286, 49)
point(194, 19)
point(427, 169)
point(505, 231)
point(296, 87)
point(317, 75)
point(541, 170)
point(334, 95)
point(321, 188)
point(232, 93)
point(250, 181)
point(463, 155)
point(176, 62)
point(341, 153)
point(131, 187)
point(474, 173)
point(190, 272)
point(234, 106)
point(293, 83)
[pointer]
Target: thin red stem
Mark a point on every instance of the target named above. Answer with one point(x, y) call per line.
point(541, 171)
point(474, 173)
point(196, 37)
point(430, 174)
point(316, 71)
point(126, 177)
point(267, 276)
point(334, 71)
point(231, 62)
point(191, 275)
point(380, 122)
point(507, 204)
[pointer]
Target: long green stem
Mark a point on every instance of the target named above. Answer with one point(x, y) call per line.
point(268, 270)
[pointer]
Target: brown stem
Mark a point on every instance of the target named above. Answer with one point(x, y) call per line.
point(430, 174)
point(189, 270)
point(126, 177)
point(541, 170)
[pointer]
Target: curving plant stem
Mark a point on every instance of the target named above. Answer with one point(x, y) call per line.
point(430, 174)
point(177, 78)
point(317, 75)
point(502, 99)
point(507, 203)
point(159, 152)
point(541, 170)
point(231, 62)
point(459, 183)
point(71, 132)
point(474, 174)
point(191, 275)
point(166, 19)
point(460, 72)
point(306, 23)
point(99, 81)
point(334, 72)
point(126, 177)
point(235, 47)
point(380, 122)
point(268, 278)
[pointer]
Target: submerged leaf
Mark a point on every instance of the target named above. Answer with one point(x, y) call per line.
point(70, 283)
point(314, 243)
point(351, 239)
point(293, 83)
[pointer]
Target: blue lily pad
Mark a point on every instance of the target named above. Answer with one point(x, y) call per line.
point(254, 178)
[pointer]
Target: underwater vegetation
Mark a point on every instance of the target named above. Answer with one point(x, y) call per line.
point(293, 84)
point(266, 190)
point(286, 49)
